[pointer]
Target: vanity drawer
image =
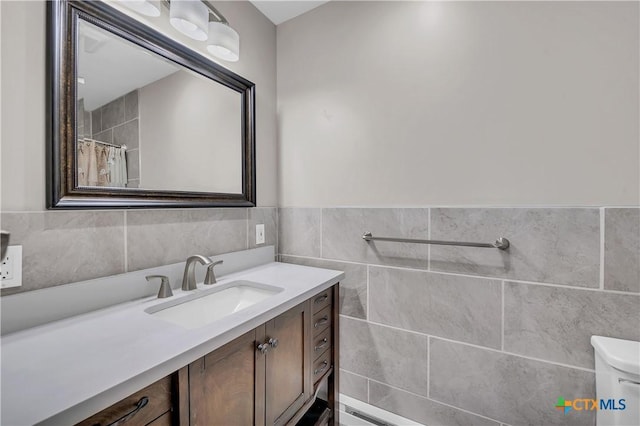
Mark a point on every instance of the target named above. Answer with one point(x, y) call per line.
point(322, 300)
point(321, 366)
point(141, 408)
point(163, 420)
point(321, 321)
point(321, 343)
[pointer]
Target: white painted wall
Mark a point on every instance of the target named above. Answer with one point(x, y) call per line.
point(192, 142)
point(460, 103)
point(22, 55)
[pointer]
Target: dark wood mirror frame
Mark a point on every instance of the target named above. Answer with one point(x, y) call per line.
point(62, 191)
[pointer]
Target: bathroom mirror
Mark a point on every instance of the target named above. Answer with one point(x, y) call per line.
point(139, 121)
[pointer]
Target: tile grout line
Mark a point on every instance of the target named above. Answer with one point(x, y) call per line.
point(368, 293)
point(463, 410)
point(428, 366)
point(487, 348)
point(429, 237)
point(602, 222)
point(502, 327)
point(481, 277)
point(126, 254)
point(321, 231)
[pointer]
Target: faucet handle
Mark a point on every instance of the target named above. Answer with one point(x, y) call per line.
point(165, 287)
point(210, 277)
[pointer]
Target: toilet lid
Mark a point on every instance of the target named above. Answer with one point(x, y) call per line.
point(623, 355)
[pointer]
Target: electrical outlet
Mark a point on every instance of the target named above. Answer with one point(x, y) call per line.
point(260, 233)
point(11, 267)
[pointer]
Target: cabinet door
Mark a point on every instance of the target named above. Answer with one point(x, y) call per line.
point(226, 387)
point(288, 366)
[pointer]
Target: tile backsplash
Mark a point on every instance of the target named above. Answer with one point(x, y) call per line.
point(456, 335)
point(61, 247)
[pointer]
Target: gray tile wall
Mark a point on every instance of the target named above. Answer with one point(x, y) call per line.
point(445, 335)
point(118, 122)
point(61, 247)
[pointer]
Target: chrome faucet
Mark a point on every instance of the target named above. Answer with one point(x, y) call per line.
point(189, 277)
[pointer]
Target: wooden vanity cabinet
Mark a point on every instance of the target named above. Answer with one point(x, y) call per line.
point(225, 386)
point(288, 382)
point(259, 378)
point(267, 377)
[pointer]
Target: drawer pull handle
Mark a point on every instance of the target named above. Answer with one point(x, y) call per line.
point(321, 345)
point(273, 342)
point(321, 321)
point(321, 299)
point(139, 406)
point(325, 364)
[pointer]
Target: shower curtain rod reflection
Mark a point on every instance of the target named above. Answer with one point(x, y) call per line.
point(501, 243)
point(103, 143)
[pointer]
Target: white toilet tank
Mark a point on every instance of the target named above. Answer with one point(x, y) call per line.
point(617, 381)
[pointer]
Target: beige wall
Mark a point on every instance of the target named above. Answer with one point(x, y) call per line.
point(459, 103)
point(23, 98)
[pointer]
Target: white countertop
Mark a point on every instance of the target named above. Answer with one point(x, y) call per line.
point(64, 372)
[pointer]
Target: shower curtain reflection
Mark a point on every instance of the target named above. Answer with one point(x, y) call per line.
point(101, 164)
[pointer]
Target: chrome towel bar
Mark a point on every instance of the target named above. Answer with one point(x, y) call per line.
point(501, 243)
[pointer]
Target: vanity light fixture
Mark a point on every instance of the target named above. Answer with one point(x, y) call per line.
point(144, 7)
point(190, 17)
point(223, 42)
point(197, 19)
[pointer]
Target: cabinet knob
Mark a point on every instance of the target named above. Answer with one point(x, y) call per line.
point(263, 348)
point(273, 342)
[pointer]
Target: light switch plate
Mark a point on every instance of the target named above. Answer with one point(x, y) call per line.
point(11, 268)
point(260, 233)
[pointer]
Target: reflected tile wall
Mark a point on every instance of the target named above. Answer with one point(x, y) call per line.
point(61, 247)
point(542, 299)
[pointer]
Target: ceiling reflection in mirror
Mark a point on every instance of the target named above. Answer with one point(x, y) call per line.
point(144, 122)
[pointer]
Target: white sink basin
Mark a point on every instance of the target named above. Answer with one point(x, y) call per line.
point(204, 308)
